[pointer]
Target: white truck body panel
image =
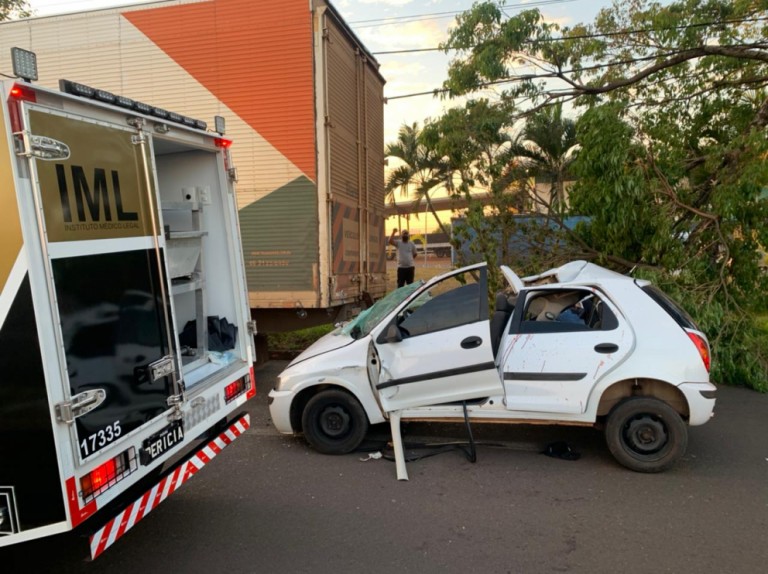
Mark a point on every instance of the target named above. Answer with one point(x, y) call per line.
point(109, 368)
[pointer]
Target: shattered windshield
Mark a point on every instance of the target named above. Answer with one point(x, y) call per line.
point(361, 325)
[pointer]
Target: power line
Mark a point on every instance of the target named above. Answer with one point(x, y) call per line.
point(601, 35)
point(373, 23)
point(555, 75)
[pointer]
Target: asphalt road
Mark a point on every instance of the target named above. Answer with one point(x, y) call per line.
point(270, 504)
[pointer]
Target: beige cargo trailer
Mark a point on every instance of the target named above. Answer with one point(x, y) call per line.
point(303, 101)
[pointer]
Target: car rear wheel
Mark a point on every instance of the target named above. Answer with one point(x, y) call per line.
point(334, 422)
point(646, 434)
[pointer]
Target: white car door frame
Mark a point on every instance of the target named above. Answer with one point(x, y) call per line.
point(444, 363)
point(549, 366)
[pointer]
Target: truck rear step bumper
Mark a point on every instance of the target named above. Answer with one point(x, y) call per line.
point(127, 519)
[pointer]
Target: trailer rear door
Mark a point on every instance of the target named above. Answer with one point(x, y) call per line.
point(99, 227)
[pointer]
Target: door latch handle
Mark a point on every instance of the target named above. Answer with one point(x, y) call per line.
point(471, 342)
point(606, 348)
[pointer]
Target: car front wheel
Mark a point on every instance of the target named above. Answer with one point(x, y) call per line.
point(646, 434)
point(334, 422)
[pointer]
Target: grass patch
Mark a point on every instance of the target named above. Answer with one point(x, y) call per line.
point(297, 340)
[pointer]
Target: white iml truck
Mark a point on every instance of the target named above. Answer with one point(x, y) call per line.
point(125, 353)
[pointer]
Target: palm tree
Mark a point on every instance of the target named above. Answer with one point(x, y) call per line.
point(546, 147)
point(420, 167)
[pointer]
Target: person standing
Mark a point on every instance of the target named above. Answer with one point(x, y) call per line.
point(406, 251)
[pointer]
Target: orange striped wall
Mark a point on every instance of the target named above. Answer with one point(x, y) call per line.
point(225, 44)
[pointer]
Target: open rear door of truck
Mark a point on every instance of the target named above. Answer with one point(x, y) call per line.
point(100, 228)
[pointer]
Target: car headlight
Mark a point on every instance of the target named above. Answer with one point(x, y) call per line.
point(283, 383)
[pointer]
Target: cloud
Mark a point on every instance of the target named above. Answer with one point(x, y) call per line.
point(402, 73)
point(386, 2)
point(406, 35)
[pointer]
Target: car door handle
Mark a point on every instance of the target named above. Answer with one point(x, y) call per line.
point(471, 342)
point(606, 348)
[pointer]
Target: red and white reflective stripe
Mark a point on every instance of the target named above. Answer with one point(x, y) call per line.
point(123, 522)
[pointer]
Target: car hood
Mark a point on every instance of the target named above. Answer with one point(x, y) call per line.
point(325, 344)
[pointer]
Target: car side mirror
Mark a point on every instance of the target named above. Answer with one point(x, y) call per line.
point(393, 334)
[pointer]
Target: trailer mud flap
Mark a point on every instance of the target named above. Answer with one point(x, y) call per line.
point(127, 519)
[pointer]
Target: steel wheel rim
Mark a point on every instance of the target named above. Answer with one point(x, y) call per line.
point(645, 435)
point(334, 421)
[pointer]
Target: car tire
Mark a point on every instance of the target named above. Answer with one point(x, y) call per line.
point(334, 422)
point(646, 434)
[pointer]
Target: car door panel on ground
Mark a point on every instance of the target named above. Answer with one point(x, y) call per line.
point(437, 347)
point(561, 344)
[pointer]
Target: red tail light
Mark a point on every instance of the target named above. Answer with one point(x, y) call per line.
point(23, 93)
point(251, 385)
point(235, 389)
point(240, 386)
point(702, 346)
point(106, 475)
point(222, 142)
point(17, 94)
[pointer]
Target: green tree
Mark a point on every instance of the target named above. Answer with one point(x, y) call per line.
point(545, 147)
point(673, 144)
point(476, 142)
point(12, 9)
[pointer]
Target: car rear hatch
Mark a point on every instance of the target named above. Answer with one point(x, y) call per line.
point(682, 318)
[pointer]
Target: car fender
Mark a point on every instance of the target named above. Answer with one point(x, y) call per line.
point(598, 391)
point(353, 379)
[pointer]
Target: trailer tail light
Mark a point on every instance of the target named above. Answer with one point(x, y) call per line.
point(702, 346)
point(222, 142)
point(235, 389)
point(108, 474)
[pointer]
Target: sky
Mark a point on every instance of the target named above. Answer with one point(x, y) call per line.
point(392, 25)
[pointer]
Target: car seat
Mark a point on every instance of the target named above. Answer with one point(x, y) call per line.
point(503, 310)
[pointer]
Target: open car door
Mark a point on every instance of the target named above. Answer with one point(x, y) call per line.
point(515, 283)
point(436, 348)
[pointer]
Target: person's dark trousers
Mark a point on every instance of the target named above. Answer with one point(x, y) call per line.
point(405, 275)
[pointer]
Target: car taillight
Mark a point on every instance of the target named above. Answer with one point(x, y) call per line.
point(702, 346)
point(108, 474)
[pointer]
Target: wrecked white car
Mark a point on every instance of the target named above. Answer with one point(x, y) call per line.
point(576, 345)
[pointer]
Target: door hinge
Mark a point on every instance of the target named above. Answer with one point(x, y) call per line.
point(164, 367)
point(251, 326)
point(135, 122)
point(175, 402)
point(78, 405)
